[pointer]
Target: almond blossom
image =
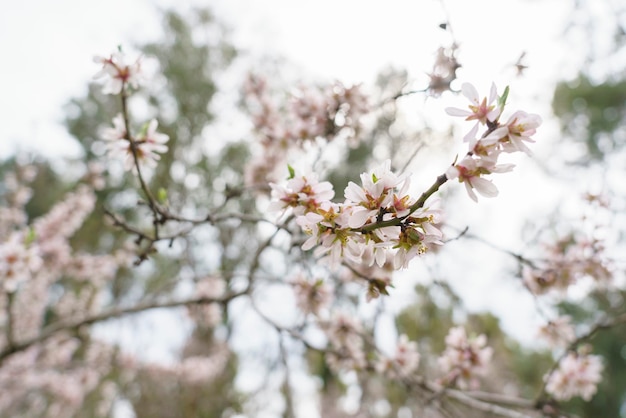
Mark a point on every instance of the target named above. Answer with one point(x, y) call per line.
point(351, 230)
point(577, 375)
point(404, 362)
point(344, 334)
point(464, 358)
point(469, 172)
point(558, 332)
point(520, 127)
point(312, 296)
point(117, 74)
point(302, 193)
point(146, 147)
point(374, 194)
point(482, 156)
point(568, 260)
point(482, 111)
point(19, 259)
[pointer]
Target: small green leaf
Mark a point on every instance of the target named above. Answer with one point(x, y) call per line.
point(144, 130)
point(30, 236)
point(292, 172)
point(162, 195)
point(502, 99)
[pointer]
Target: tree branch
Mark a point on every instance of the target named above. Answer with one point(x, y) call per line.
point(74, 323)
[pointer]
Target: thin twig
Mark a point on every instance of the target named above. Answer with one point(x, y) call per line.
point(74, 323)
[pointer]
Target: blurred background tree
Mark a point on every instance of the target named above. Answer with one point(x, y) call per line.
point(201, 171)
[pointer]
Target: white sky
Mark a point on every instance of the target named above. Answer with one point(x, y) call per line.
point(47, 46)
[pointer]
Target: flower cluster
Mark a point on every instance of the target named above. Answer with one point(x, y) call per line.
point(558, 332)
point(145, 147)
point(444, 70)
point(117, 74)
point(482, 157)
point(327, 112)
point(344, 334)
point(577, 375)
point(376, 217)
point(312, 296)
point(404, 362)
point(19, 260)
point(567, 261)
point(51, 379)
point(141, 149)
point(464, 358)
point(311, 112)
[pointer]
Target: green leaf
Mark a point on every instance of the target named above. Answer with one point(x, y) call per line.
point(292, 172)
point(502, 99)
point(30, 237)
point(162, 195)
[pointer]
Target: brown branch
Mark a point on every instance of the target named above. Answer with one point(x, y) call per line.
point(74, 323)
point(415, 206)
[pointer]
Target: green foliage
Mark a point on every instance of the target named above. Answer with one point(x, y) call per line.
point(611, 345)
point(591, 113)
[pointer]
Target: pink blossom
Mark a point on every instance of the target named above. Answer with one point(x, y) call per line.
point(577, 375)
point(19, 260)
point(117, 74)
point(117, 132)
point(481, 111)
point(464, 358)
point(520, 126)
point(405, 360)
point(469, 172)
point(312, 296)
point(374, 194)
point(558, 332)
point(343, 332)
point(148, 145)
point(303, 193)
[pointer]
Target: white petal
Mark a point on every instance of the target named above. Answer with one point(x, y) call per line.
point(470, 92)
point(309, 243)
point(452, 172)
point(484, 187)
point(470, 192)
point(453, 111)
point(354, 193)
point(358, 217)
point(493, 93)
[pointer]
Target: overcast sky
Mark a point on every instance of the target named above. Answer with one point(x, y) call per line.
point(47, 46)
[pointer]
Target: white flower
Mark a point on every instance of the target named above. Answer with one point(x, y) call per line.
point(117, 74)
point(18, 261)
point(405, 361)
point(117, 132)
point(558, 332)
point(312, 297)
point(482, 111)
point(468, 172)
point(521, 126)
point(303, 193)
point(464, 358)
point(147, 146)
point(577, 375)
